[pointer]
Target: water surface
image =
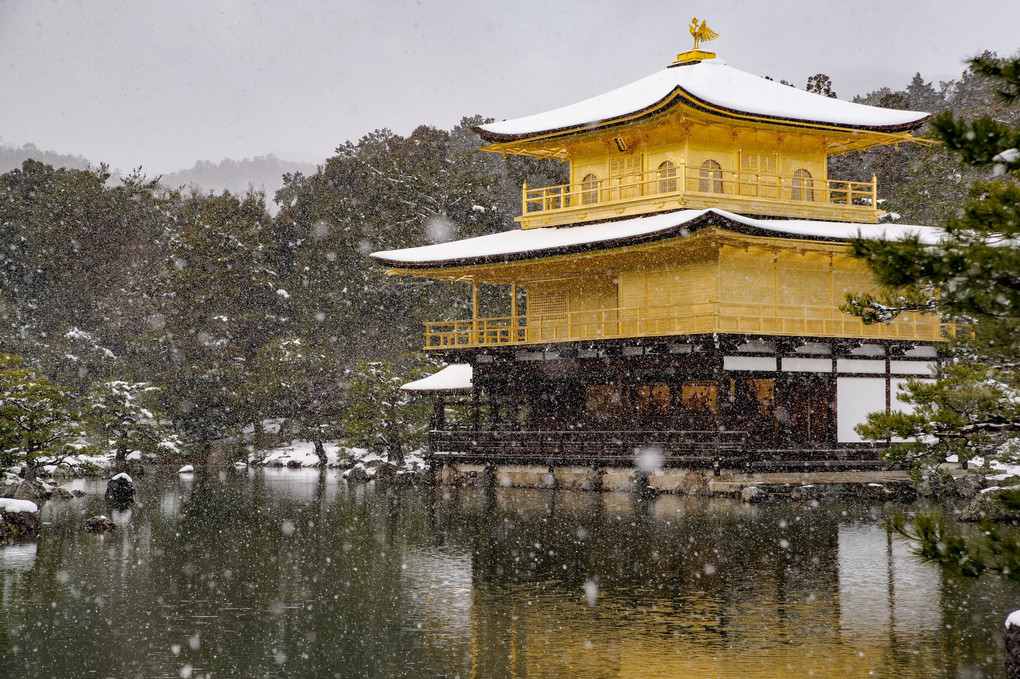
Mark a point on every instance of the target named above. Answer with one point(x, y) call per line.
point(286, 573)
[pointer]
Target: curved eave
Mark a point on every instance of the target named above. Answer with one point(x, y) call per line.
point(679, 96)
point(681, 230)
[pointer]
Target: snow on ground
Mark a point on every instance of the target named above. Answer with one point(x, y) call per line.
point(302, 454)
point(1002, 470)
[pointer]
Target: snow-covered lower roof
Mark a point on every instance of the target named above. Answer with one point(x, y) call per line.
point(454, 378)
point(549, 241)
point(711, 86)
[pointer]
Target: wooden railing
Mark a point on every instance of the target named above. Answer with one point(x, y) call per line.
point(586, 446)
point(808, 321)
point(714, 185)
point(690, 449)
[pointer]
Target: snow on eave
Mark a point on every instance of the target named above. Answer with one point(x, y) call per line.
point(454, 378)
point(522, 244)
point(709, 86)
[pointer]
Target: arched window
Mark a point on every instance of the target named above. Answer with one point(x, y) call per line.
point(667, 177)
point(802, 184)
point(711, 177)
point(590, 189)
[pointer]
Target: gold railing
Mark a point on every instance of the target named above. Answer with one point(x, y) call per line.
point(723, 185)
point(790, 320)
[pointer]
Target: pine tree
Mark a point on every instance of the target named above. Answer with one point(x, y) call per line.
point(37, 418)
point(971, 277)
point(224, 303)
point(117, 413)
point(379, 415)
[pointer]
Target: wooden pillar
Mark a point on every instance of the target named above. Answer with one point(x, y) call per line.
point(474, 313)
point(514, 325)
point(439, 413)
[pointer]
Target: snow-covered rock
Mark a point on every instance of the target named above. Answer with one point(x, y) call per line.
point(120, 490)
point(8, 504)
point(99, 524)
point(357, 474)
point(186, 469)
point(753, 495)
point(19, 519)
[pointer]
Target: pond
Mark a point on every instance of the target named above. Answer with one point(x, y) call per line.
point(286, 573)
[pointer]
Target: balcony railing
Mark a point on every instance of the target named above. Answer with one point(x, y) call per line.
point(789, 320)
point(782, 195)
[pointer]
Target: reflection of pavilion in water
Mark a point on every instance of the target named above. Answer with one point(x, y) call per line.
point(685, 586)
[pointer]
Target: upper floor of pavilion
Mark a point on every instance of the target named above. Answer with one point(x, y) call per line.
point(700, 134)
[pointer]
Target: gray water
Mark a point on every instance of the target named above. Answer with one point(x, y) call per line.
point(286, 573)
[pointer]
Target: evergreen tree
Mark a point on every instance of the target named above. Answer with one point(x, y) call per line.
point(970, 278)
point(117, 414)
point(302, 385)
point(36, 416)
point(821, 84)
point(992, 549)
point(79, 257)
point(379, 415)
point(389, 192)
point(224, 303)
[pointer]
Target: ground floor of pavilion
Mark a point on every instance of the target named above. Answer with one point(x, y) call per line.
point(719, 401)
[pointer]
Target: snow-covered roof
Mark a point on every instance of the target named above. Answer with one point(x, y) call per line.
point(453, 378)
point(711, 86)
point(520, 244)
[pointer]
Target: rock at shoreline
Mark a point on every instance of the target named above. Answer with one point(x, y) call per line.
point(20, 519)
point(987, 506)
point(385, 472)
point(357, 474)
point(804, 493)
point(753, 495)
point(1013, 645)
point(32, 490)
point(99, 524)
point(62, 494)
point(120, 490)
point(970, 485)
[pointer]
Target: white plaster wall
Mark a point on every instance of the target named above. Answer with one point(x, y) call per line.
point(855, 398)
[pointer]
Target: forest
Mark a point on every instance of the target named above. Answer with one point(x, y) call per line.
point(210, 314)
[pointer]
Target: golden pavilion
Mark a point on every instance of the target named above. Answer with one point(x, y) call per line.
point(682, 291)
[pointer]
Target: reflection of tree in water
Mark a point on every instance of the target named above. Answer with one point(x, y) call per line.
point(314, 575)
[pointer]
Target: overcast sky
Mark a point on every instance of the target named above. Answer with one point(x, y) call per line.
point(163, 84)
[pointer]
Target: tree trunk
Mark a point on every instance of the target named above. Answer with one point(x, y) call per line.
point(320, 452)
point(120, 458)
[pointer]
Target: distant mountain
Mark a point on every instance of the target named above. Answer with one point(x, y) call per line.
point(262, 173)
point(12, 158)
